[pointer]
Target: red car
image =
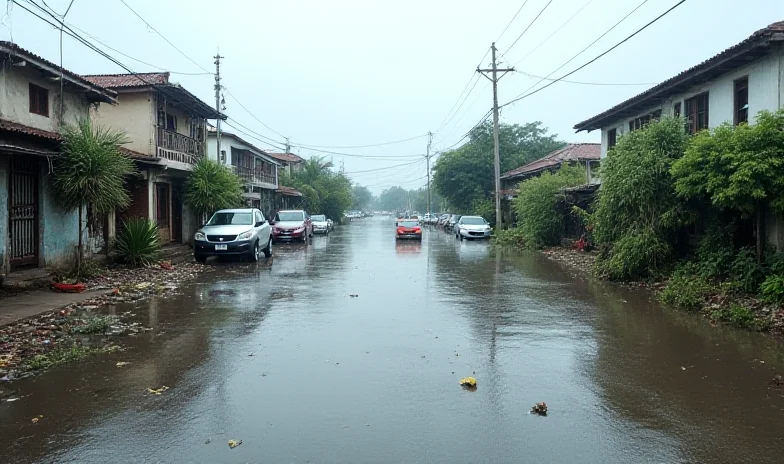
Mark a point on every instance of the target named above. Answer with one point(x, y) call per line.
point(408, 228)
point(291, 225)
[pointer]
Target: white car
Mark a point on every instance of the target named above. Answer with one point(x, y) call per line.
point(471, 227)
point(320, 224)
point(233, 232)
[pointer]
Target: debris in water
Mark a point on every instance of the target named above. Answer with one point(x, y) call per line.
point(353, 295)
point(234, 443)
point(10, 400)
point(157, 391)
point(122, 363)
point(468, 382)
point(540, 408)
point(344, 427)
point(777, 379)
point(35, 420)
point(207, 441)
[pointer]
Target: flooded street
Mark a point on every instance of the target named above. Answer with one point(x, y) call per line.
point(281, 356)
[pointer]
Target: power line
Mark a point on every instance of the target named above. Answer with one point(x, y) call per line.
point(251, 113)
point(446, 120)
point(252, 136)
point(596, 58)
point(555, 32)
point(512, 20)
point(588, 83)
point(163, 37)
point(363, 146)
point(358, 155)
point(270, 140)
point(386, 168)
point(529, 26)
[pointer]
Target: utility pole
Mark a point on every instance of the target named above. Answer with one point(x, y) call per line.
point(494, 71)
point(288, 145)
point(429, 141)
point(218, 106)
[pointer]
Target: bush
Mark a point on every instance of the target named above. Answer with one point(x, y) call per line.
point(510, 237)
point(772, 289)
point(138, 243)
point(736, 314)
point(634, 255)
point(687, 289)
point(747, 271)
point(715, 253)
point(536, 205)
point(212, 186)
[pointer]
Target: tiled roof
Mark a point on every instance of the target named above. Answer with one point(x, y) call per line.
point(95, 92)
point(287, 157)
point(731, 58)
point(289, 191)
point(22, 129)
point(571, 152)
point(119, 81)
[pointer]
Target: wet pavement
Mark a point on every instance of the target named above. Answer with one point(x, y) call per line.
point(280, 356)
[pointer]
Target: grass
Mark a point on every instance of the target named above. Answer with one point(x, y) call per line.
point(95, 325)
point(60, 356)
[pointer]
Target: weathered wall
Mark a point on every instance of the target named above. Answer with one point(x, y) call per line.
point(766, 92)
point(59, 228)
point(134, 114)
point(4, 172)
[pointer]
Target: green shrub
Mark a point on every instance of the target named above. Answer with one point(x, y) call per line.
point(747, 271)
point(686, 289)
point(774, 262)
point(772, 289)
point(634, 255)
point(510, 237)
point(736, 314)
point(715, 253)
point(212, 186)
point(138, 243)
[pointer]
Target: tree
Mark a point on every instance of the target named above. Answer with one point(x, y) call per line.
point(90, 172)
point(361, 197)
point(212, 186)
point(737, 167)
point(323, 190)
point(465, 175)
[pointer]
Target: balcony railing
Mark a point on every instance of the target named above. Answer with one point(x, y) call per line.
point(252, 176)
point(177, 147)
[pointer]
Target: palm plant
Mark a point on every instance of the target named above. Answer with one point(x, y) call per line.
point(212, 186)
point(139, 242)
point(90, 171)
point(313, 169)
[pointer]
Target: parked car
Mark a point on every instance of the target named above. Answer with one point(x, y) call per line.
point(233, 232)
point(471, 227)
point(442, 220)
point(408, 228)
point(320, 224)
point(450, 223)
point(291, 225)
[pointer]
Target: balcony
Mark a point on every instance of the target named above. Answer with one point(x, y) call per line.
point(254, 177)
point(179, 148)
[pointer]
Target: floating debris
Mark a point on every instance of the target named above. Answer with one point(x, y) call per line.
point(468, 382)
point(157, 391)
point(540, 409)
point(122, 363)
point(778, 380)
point(353, 295)
point(234, 443)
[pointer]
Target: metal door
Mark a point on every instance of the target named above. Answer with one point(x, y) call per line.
point(23, 212)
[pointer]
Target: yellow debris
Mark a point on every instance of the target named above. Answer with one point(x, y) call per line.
point(157, 391)
point(468, 382)
point(234, 443)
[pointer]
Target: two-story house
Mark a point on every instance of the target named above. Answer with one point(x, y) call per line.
point(37, 99)
point(290, 163)
point(258, 170)
point(732, 86)
point(164, 121)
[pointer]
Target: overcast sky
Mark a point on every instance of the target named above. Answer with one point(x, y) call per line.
point(351, 72)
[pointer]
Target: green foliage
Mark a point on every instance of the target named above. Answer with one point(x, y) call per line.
point(91, 169)
point(736, 167)
point(686, 288)
point(746, 271)
point(536, 205)
point(212, 186)
point(772, 289)
point(88, 269)
point(465, 174)
point(637, 205)
point(361, 198)
point(737, 315)
point(324, 191)
point(94, 325)
point(715, 252)
point(60, 356)
point(484, 207)
point(138, 242)
point(510, 237)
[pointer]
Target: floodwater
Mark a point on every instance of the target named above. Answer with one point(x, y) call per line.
point(280, 356)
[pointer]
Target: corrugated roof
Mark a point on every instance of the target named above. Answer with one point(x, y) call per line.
point(292, 192)
point(287, 157)
point(120, 81)
point(571, 152)
point(95, 92)
point(730, 58)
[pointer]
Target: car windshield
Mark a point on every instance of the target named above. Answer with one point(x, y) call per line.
point(473, 221)
point(286, 216)
point(408, 224)
point(319, 218)
point(231, 219)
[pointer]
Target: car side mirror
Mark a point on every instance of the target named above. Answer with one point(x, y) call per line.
point(259, 223)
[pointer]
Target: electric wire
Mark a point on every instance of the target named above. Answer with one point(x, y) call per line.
point(589, 83)
point(551, 35)
point(529, 26)
point(512, 20)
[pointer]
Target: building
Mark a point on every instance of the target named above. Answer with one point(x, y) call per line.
point(732, 86)
point(290, 163)
point(37, 99)
point(584, 154)
point(258, 170)
point(167, 123)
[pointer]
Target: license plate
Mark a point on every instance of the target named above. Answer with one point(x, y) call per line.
point(221, 247)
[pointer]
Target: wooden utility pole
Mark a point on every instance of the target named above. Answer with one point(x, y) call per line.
point(494, 78)
point(218, 107)
point(429, 141)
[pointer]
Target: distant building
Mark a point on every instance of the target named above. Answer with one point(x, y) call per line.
point(290, 163)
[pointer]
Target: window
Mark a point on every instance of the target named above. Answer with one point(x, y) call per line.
point(676, 110)
point(39, 100)
point(171, 122)
point(697, 112)
point(258, 217)
point(612, 137)
point(741, 100)
point(640, 122)
point(162, 205)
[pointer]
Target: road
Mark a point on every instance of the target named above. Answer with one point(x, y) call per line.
point(280, 356)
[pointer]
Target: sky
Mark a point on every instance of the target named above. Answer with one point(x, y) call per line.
point(333, 75)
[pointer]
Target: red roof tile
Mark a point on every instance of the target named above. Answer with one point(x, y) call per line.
point(287, 157)
point(708, 69)
point(289, 191)
point(571, 152)
point(22, 129)
point(120, 81)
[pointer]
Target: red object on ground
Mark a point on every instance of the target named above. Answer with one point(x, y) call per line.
point(580, 244)
point(166, 265)
point(69, 288)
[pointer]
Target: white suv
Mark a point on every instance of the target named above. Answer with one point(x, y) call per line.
point(234, 232)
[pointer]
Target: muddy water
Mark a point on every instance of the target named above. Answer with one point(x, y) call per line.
point(279, 355)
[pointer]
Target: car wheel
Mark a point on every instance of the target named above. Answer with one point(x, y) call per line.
point(461, 236)
point(254, 254)
point(200, 259)
point(268, 250)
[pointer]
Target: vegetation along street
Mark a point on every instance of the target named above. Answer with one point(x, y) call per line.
point(362, 232)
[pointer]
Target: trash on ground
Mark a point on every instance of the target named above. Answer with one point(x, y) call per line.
point(69, 288)
point(540, 408)
point(167, 265)
point(778, 380)
point(234, 443)
point(157, 391)
point(10, 400)
point(468, 382)
point(122, 363)
point(35, 420)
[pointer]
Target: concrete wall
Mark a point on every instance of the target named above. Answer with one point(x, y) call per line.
point(4, 213)
point(59, 229)
point(15, 100)
point(134, 114)
point(766, 92)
